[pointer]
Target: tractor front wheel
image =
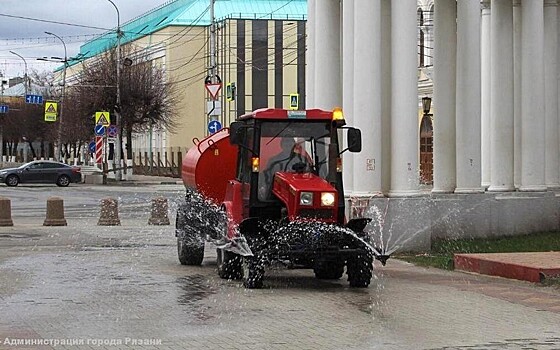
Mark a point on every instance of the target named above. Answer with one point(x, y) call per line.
point(253, 272)
point(229, 265)
point(360, 270)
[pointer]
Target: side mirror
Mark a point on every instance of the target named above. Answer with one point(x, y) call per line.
point(354, 140)
point(235, 133)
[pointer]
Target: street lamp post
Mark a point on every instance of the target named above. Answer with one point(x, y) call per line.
point(25, 83)
point(24, 96)
point(65, 62)
point(118, 148)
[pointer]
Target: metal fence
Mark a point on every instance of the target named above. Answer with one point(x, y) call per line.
point(167, 162)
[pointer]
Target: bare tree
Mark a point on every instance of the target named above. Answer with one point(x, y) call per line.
point(25, 122)
point(146, 97)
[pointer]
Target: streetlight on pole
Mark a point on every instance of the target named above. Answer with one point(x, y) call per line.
point(118, 148)
point(25, 83)
point(65, 62)
point(25, 96)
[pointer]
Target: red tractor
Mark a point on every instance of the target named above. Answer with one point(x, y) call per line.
point(270, 188)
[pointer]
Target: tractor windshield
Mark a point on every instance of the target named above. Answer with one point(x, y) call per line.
point(292, 146)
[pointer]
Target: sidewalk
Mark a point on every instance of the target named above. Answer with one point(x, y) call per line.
point(532, 267)
point(148, 179)
point(135, 180)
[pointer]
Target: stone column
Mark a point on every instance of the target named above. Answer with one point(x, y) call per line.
point(404, 100)
point(348, 88)
point(501, 96)
point(468, 97)
point(517, 93)
point(485, 93)
point(327, 87)
point(386, 94)
point(445, 58)
point(367, 96)
point(311, 66)
point(532, 96)
point(551, 94)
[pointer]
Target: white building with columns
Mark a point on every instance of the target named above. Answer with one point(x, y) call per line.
point(495, 111)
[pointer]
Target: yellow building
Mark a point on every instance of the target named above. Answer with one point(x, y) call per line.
point(260, 49)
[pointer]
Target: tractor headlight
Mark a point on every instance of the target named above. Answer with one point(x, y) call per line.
point(327, 199)
point(306, 198)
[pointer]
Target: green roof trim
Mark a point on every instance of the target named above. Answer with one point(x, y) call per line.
point(195, 13)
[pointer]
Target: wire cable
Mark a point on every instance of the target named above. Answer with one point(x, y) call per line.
point(55, 22)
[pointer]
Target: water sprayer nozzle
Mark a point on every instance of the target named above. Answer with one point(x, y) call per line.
point(383, 258)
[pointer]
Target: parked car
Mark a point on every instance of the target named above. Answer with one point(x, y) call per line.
point(41, 171)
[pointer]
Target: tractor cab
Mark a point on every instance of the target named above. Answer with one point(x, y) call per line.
point(290, 163)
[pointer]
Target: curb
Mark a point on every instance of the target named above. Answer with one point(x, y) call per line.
point(532, 267)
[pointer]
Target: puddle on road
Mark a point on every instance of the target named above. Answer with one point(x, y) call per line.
point(120, 247)
point(193, 290)
point(513, 344)
point(19, 235)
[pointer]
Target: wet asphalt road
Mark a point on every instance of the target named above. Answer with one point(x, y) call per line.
point(122, 287)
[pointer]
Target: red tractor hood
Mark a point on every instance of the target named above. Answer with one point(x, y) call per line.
point(288, 187)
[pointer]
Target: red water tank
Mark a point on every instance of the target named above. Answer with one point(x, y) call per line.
point(210, 164)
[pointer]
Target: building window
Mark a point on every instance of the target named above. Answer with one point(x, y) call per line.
point(421, 39)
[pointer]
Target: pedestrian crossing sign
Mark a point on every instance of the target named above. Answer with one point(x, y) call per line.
point(102, 118)
point(294, 101)
point(51, 108)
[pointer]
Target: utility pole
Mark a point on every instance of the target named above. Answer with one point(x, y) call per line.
point(2, 123)
point(25, 86)
point(118, 148)
point(62, 102)
point(213, 70)
point(213, 51)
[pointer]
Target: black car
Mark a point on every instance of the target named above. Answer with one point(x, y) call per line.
point(41, 171)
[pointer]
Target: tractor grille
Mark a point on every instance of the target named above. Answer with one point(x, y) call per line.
point(316, 213)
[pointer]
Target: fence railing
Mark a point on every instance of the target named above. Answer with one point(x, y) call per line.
point(167, 162)
point(158, 162)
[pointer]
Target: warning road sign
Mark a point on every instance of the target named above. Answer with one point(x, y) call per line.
point(213, 89)
point(51, 108)
point(294, 101)
point(230, 91)
point(102, 118)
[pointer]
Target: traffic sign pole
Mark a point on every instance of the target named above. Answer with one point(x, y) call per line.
point(99, 149)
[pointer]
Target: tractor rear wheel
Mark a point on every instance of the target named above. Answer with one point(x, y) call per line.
point(190, 253)
point(360, 270)
point(229, 265)
point(253, 272)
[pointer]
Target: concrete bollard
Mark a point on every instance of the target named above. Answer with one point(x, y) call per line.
point(109, 213)
point(6, 212)
point(55, 212)
point(159, 212)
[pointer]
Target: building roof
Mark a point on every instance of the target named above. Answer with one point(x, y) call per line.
point(19, 90)
point(195, 13)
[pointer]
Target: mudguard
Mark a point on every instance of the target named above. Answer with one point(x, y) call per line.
point(358, 225)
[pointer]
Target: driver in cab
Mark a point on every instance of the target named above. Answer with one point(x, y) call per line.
point(291, 158)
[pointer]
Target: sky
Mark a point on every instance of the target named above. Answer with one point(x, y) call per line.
point(26, 36)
